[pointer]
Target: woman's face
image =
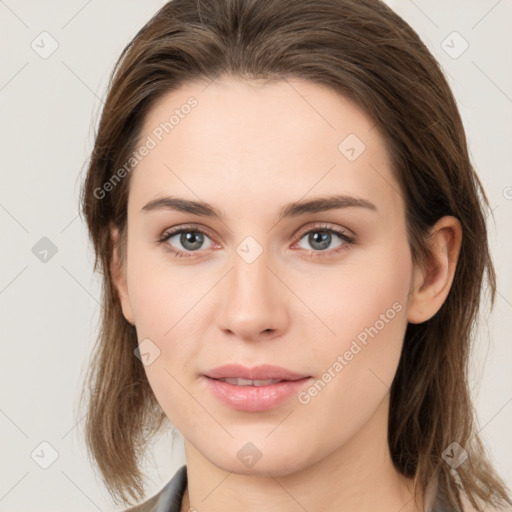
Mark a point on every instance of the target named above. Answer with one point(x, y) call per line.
point(320, 291)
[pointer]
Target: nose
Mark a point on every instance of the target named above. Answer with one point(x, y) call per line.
point(252, 301)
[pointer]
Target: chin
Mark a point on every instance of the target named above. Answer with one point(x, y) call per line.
point(261, 458)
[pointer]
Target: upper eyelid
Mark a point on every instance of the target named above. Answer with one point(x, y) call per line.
point(179, 229)
point(325, 227)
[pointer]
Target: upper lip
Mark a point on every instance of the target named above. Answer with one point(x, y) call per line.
point(261, 372)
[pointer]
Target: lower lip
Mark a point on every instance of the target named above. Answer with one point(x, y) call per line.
point(255, 398)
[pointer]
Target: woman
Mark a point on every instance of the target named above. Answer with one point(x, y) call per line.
point(293, 244)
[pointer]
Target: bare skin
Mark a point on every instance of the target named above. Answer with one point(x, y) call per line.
point(249, 150)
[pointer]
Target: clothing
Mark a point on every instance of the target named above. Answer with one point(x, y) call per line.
point(169, 498)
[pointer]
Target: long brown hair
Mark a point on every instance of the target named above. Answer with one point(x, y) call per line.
point(363, 50)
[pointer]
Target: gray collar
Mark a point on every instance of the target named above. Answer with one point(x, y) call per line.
point(169, 498)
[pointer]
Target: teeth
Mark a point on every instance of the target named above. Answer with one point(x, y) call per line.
point(248, 382)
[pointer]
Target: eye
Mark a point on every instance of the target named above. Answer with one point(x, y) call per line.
point(191, 240)
point(322, 237)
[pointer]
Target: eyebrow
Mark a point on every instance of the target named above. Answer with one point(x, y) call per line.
point(295, 209)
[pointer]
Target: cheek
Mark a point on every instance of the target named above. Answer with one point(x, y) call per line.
point(365, 308)
point(165, 300)
point(158, 294)
point(358, 364)
point(353, 296)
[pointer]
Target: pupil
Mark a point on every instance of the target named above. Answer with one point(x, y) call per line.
point(191, 240)
point(321, 241)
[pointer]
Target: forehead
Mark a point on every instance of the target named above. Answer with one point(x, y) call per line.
point(268, 142)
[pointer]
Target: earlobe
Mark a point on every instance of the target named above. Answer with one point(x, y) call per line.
point(118, 273)
point(431, 285)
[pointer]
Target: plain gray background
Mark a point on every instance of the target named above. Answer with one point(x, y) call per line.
point(49, 109)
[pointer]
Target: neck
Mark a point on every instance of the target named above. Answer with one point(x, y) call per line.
point(358, 475)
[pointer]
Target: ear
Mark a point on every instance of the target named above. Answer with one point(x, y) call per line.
point(432, 283)
point(118, 272)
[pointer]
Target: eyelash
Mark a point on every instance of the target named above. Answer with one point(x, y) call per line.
point(196, 229)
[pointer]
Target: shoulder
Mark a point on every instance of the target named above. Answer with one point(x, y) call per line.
point(169, 498)
point(436, 500)
point(147, 506)
point(468, 507)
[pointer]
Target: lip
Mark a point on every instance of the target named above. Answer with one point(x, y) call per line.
point(254, 398)
point(261, 372)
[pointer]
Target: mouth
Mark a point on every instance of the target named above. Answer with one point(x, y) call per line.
point(248, 382)
point(262, 375)
point(254, 395)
